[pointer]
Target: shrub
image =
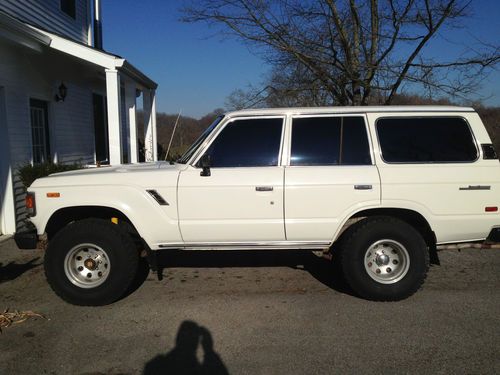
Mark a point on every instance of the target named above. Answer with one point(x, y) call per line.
point(29, 173)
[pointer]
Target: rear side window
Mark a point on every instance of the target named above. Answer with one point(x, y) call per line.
point(329, 141)
point(426, 140)
point(247, 143)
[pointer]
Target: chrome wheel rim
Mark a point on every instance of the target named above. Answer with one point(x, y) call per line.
point(387, 261)
point(87, 265)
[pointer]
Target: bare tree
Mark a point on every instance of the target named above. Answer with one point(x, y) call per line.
point(287, 86)
point(350, 52)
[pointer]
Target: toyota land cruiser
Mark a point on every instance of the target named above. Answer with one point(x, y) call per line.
point(380, 186)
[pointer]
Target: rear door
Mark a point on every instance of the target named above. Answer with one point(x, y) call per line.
point(330, 174)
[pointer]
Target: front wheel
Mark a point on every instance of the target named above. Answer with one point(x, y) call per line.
point(384, 259)
point(91, 262)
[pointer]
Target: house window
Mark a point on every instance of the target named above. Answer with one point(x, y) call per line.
point(69, 7)
point(40, 131)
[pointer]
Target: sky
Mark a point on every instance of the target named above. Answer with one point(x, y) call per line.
point(196, 68)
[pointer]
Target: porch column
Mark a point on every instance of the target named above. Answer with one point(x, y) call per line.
point(150, 139)
point(114, 116)
point(130, 103)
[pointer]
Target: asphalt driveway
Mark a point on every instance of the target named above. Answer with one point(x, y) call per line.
point(255, 313)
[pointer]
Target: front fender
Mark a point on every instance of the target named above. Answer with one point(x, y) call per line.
point(155, 223)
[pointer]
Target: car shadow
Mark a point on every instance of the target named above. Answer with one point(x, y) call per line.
point(182, 359)
point(326, 271)
point(13, 270)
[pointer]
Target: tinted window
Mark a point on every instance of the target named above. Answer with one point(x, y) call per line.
point(192, 149)
point(329, 141)
point(247, 143)
point(355, 146)
point(426, 140)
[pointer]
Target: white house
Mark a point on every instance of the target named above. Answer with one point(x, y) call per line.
point(63, 98)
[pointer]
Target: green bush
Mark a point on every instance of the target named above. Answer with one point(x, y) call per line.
point(29, 173)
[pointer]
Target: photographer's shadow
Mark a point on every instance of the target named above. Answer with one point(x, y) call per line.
point(183, 360)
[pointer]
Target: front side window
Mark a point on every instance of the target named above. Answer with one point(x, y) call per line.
point(426, 140)
point(194, 147)
point(247, 143)
point(329, 141)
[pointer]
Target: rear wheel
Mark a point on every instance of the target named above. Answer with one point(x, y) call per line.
point(91, 262)
point(384, 259)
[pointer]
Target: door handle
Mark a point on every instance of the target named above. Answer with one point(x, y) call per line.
point(264, 188)
point(475, 187)
point(362, 187)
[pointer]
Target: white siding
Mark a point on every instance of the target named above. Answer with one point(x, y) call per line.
point(24, 75)
point(18, 123)
point(73, 127)
point(48, 15)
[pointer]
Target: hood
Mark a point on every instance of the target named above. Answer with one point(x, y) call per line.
point(142, 174)
point(114, 169)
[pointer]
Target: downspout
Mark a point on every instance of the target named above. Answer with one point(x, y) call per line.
point(97, 25)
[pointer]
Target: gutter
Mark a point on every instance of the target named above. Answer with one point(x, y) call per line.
point(12, 26)
point(136, 74)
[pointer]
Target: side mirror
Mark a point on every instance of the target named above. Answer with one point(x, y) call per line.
point(205, 163)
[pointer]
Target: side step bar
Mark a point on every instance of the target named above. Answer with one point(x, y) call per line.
point(470, 245)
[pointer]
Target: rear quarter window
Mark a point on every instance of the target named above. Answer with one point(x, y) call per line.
point(426, 140)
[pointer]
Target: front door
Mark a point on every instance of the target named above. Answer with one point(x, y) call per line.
point(242, 198)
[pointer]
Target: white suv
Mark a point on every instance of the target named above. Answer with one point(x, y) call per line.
point(380, 186)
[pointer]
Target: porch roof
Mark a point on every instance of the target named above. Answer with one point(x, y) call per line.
point(34, 37)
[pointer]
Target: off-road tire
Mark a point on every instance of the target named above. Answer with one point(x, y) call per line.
point(119, 247)
point(355, 244)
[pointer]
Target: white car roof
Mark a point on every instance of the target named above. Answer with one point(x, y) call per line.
point(353, 109)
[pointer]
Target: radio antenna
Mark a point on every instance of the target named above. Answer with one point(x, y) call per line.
point(173, 133)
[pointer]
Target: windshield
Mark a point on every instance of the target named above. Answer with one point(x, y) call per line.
point(192, 149)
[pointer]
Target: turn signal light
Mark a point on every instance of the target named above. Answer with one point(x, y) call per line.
point(30, 204)
point(53, 195)
point(491, 209)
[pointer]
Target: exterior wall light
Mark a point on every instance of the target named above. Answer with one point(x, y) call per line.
point(62, 92)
